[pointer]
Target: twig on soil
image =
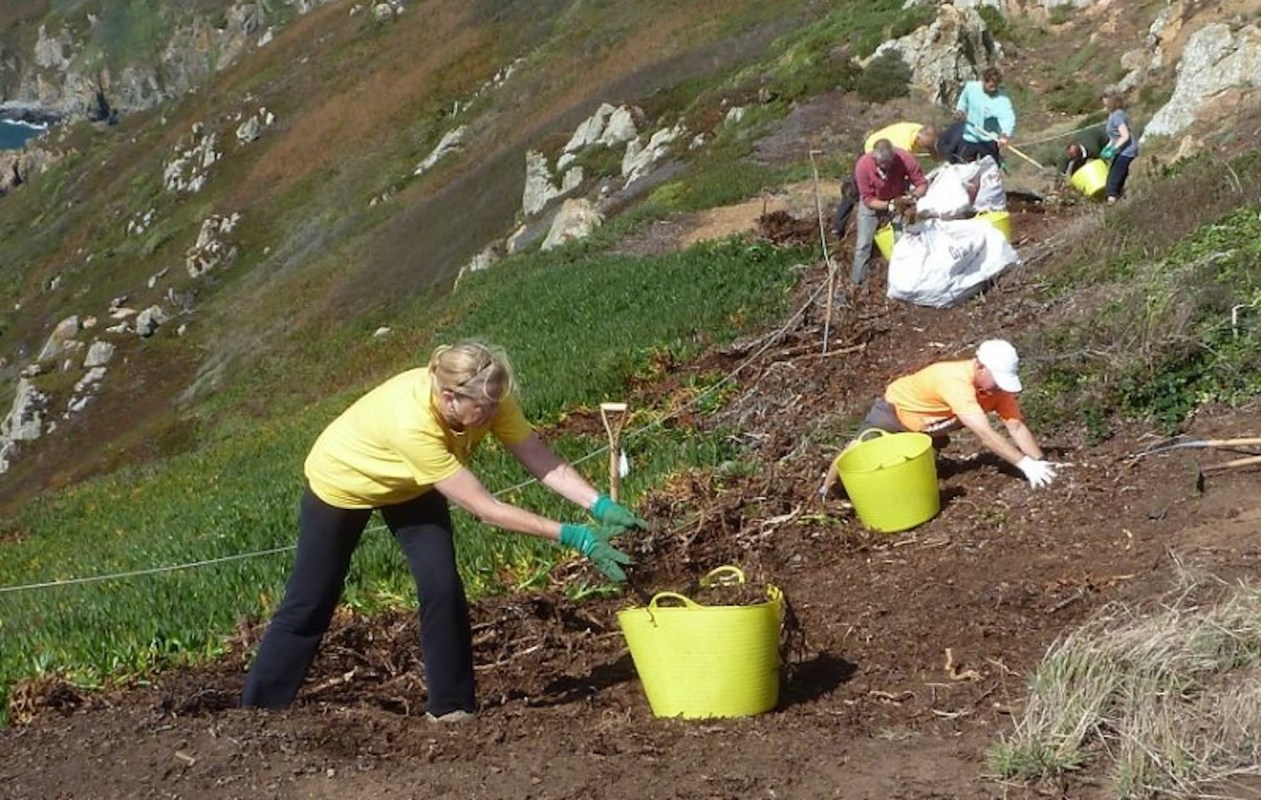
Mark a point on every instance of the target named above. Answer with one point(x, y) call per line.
point(511, 658)
point(963, 712)
point(336, 680)
point(1080, 594)
point(955, 673)
point(768, 526)
point(1177, 444)
point(856, 348)
point(899, 698)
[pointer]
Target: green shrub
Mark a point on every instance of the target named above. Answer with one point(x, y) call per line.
point(995, 21)
point(884, 79)
point(1074, 97)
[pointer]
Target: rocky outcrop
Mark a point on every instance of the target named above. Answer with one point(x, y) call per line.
point(17, 166)
point(451, 142)
point(61, 74)
point(211, 249)
point(576, 220)
point(63, 332)
point(1214, 61)
point(945, 54)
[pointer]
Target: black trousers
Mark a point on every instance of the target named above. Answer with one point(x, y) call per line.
point(849, 199)
point(327, 538)
point(1118, 172)
point(975, 151)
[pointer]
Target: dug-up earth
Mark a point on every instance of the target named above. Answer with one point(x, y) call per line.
point(908, 654)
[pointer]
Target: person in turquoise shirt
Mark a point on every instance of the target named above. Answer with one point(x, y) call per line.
point(990, 119)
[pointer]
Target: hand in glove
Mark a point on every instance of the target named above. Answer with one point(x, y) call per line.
point(1108, 152)
point(593, 542)
point(611, 513)
point(1040, 473)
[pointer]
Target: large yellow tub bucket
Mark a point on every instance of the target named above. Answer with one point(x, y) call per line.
point(891, 478)
point(699, 661)
point(884, 241)
point(1091, 178)
point(1001, 220)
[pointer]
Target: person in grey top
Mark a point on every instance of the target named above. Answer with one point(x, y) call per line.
point(1122, 146)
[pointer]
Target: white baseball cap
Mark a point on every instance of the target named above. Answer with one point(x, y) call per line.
point(1001, 359)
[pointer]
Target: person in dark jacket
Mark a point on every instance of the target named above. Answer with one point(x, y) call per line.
point(1086, 145)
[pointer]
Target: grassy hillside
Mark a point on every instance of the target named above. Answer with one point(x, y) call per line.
point(195, 445)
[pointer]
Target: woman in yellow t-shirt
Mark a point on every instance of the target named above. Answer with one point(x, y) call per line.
point(403, 449)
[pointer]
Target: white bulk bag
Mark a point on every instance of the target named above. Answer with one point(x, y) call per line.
point(947, 194)
point(990, 195)
point(939, 263)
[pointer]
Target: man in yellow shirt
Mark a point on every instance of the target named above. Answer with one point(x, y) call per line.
point(950, 395)
point(917, 139)
point(403, 449)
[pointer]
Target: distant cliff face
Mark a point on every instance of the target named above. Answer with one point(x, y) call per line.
point(109, 58)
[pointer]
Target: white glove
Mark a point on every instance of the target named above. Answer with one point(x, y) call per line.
point(1039, 473)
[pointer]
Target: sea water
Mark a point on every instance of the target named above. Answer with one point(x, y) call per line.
point(13, 135)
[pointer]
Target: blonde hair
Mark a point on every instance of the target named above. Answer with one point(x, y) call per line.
point(472, 369)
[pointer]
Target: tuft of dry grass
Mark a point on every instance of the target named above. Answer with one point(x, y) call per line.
point(1166, 700)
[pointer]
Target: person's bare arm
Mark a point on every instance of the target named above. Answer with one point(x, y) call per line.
point(829, 480)
point(554, 472)
point(466, 491)
point(1024, 439)
point(979, 424)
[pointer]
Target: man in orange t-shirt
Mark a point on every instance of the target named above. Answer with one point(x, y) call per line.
point(950, 395)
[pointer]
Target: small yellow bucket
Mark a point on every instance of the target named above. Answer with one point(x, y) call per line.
point(1090, 178)
point(884, 241)
point(1000, 220)
point(700, 661)
point(891, 479)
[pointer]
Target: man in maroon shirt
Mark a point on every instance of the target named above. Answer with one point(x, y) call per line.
point(883, 175)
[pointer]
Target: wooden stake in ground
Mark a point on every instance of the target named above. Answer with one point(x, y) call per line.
point(614, 416)
point(827, 257)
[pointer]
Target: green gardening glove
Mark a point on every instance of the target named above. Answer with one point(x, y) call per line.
point(1108, 152)
point(611, 513)
point(593, 542)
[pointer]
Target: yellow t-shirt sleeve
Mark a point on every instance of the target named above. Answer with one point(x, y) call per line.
point(509, 424)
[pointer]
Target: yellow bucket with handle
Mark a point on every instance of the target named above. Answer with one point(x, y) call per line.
point(891, 478)
point(697, 661)
point(884, 240)
point(1091, 178)
point(1001, 220)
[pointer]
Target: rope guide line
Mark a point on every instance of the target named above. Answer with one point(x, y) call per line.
point(730, 376)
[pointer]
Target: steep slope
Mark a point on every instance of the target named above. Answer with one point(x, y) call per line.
point(917, 648)
point(327, 220)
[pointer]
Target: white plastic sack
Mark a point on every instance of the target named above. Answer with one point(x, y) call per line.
point(939, 263)
point(947, 194)
point(957, 190)
point(990, 195)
